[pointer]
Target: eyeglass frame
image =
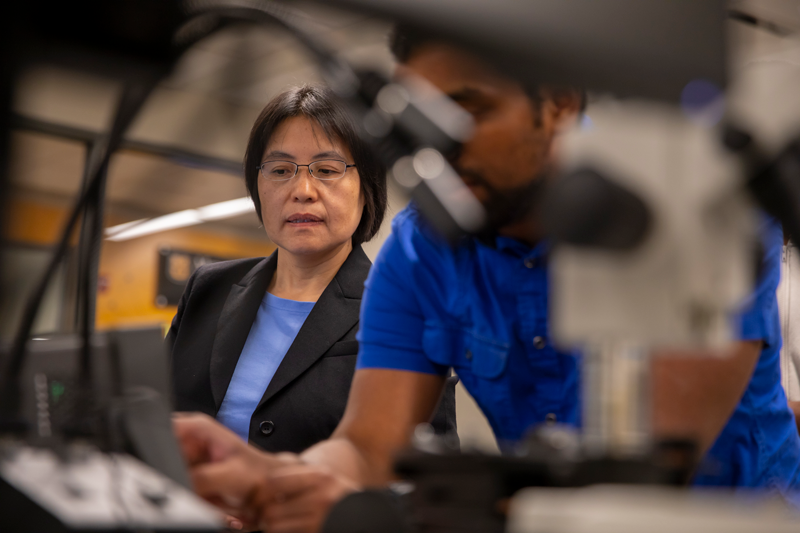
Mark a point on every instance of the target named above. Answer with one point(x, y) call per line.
point(297, 169)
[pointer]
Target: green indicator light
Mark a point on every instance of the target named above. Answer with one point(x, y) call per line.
point(56, 390)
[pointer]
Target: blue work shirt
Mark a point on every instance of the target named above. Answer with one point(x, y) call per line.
point(483, 310)
point(273, 331)
point(759, 446)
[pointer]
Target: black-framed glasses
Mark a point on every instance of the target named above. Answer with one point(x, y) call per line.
point(325, 170)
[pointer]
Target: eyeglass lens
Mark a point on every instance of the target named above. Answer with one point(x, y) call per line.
point(286, 170)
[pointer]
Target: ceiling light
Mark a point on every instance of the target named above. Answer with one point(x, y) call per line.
point(228, 209)
point(122, 227)
point(181, 219)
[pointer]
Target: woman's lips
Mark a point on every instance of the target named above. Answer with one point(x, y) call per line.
point(303, 219)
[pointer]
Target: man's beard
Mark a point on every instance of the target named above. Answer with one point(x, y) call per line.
point(509, 205)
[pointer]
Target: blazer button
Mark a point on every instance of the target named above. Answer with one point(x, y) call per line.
point(266, 427)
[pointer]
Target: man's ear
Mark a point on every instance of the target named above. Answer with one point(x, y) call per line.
point(567, 105)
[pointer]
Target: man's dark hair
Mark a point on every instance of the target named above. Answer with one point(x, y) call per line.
point(405, 40)
point(322, 106)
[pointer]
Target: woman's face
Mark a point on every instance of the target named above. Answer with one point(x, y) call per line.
point(304, 215)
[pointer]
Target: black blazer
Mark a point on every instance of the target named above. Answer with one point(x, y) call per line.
point(305, 400)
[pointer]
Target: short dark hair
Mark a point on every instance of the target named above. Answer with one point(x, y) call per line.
point(321, 105)
point(405, 40)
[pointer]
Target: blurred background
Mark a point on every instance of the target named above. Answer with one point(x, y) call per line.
point(185, 149)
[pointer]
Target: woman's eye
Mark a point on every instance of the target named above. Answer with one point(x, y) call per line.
point(279, 171)
point(325, 171)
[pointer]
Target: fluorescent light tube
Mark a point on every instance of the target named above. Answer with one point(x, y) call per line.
point(228, 209)
point(121, 227)
point(180, 219)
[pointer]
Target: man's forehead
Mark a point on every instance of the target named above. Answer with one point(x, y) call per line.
point(450, 68)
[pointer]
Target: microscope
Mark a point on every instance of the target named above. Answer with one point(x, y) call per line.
point(646, 256)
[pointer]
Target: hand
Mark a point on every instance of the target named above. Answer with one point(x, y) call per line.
point(234, 524)
point(203, 440)
point(298, 498)
point(224, 469)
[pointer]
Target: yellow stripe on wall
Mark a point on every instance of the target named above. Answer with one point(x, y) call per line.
point(128, 269)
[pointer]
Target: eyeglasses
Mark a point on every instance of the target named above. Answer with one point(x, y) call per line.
point(326, 170)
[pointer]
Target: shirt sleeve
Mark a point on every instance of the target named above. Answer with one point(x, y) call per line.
point(392, 323)
point(759, 318)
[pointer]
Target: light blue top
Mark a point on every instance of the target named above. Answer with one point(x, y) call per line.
point(273, 332)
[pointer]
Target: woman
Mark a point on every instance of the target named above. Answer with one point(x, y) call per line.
point(268, 345)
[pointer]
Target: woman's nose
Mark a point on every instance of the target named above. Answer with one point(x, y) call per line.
point(305, 185)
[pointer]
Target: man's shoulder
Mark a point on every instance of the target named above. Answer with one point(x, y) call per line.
point(414, 251)
point(413, 237)
point(407, 220)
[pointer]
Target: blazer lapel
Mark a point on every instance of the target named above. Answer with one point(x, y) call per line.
point(334, 314)
point(235, 321)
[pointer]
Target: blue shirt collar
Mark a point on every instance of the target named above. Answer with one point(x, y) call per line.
point(517, 248)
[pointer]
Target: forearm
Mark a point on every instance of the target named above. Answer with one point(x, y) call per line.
point(695, 394)
point(344, 458)
point(384, 408)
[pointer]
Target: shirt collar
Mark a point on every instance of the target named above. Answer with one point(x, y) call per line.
point(508, 245)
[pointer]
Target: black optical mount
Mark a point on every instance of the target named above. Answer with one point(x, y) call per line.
point(447, 491)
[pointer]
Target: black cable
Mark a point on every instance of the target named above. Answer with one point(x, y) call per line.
point(84, 422)
point(83, 253)
point(133, 97)
point(94, 236)
point(134, 94)
point(137, 85)
point(81, 260)
point(752, 20)
point(337, 73)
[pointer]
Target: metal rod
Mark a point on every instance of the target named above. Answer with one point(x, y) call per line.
point(616, 404)
point(87, 136)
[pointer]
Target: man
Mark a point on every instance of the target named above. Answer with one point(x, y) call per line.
point(482, 309)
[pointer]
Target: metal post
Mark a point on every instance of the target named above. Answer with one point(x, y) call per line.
point(616, 403)
point(89, 247)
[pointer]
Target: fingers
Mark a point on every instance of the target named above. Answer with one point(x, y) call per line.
point(290, 480)
point(254, 486)
point(231, 482)
point(202, 439)
point(234, 523)
point(239, 485)
point(308, 505)
point(193, 447)
point(299, 497)
point(232, 489)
